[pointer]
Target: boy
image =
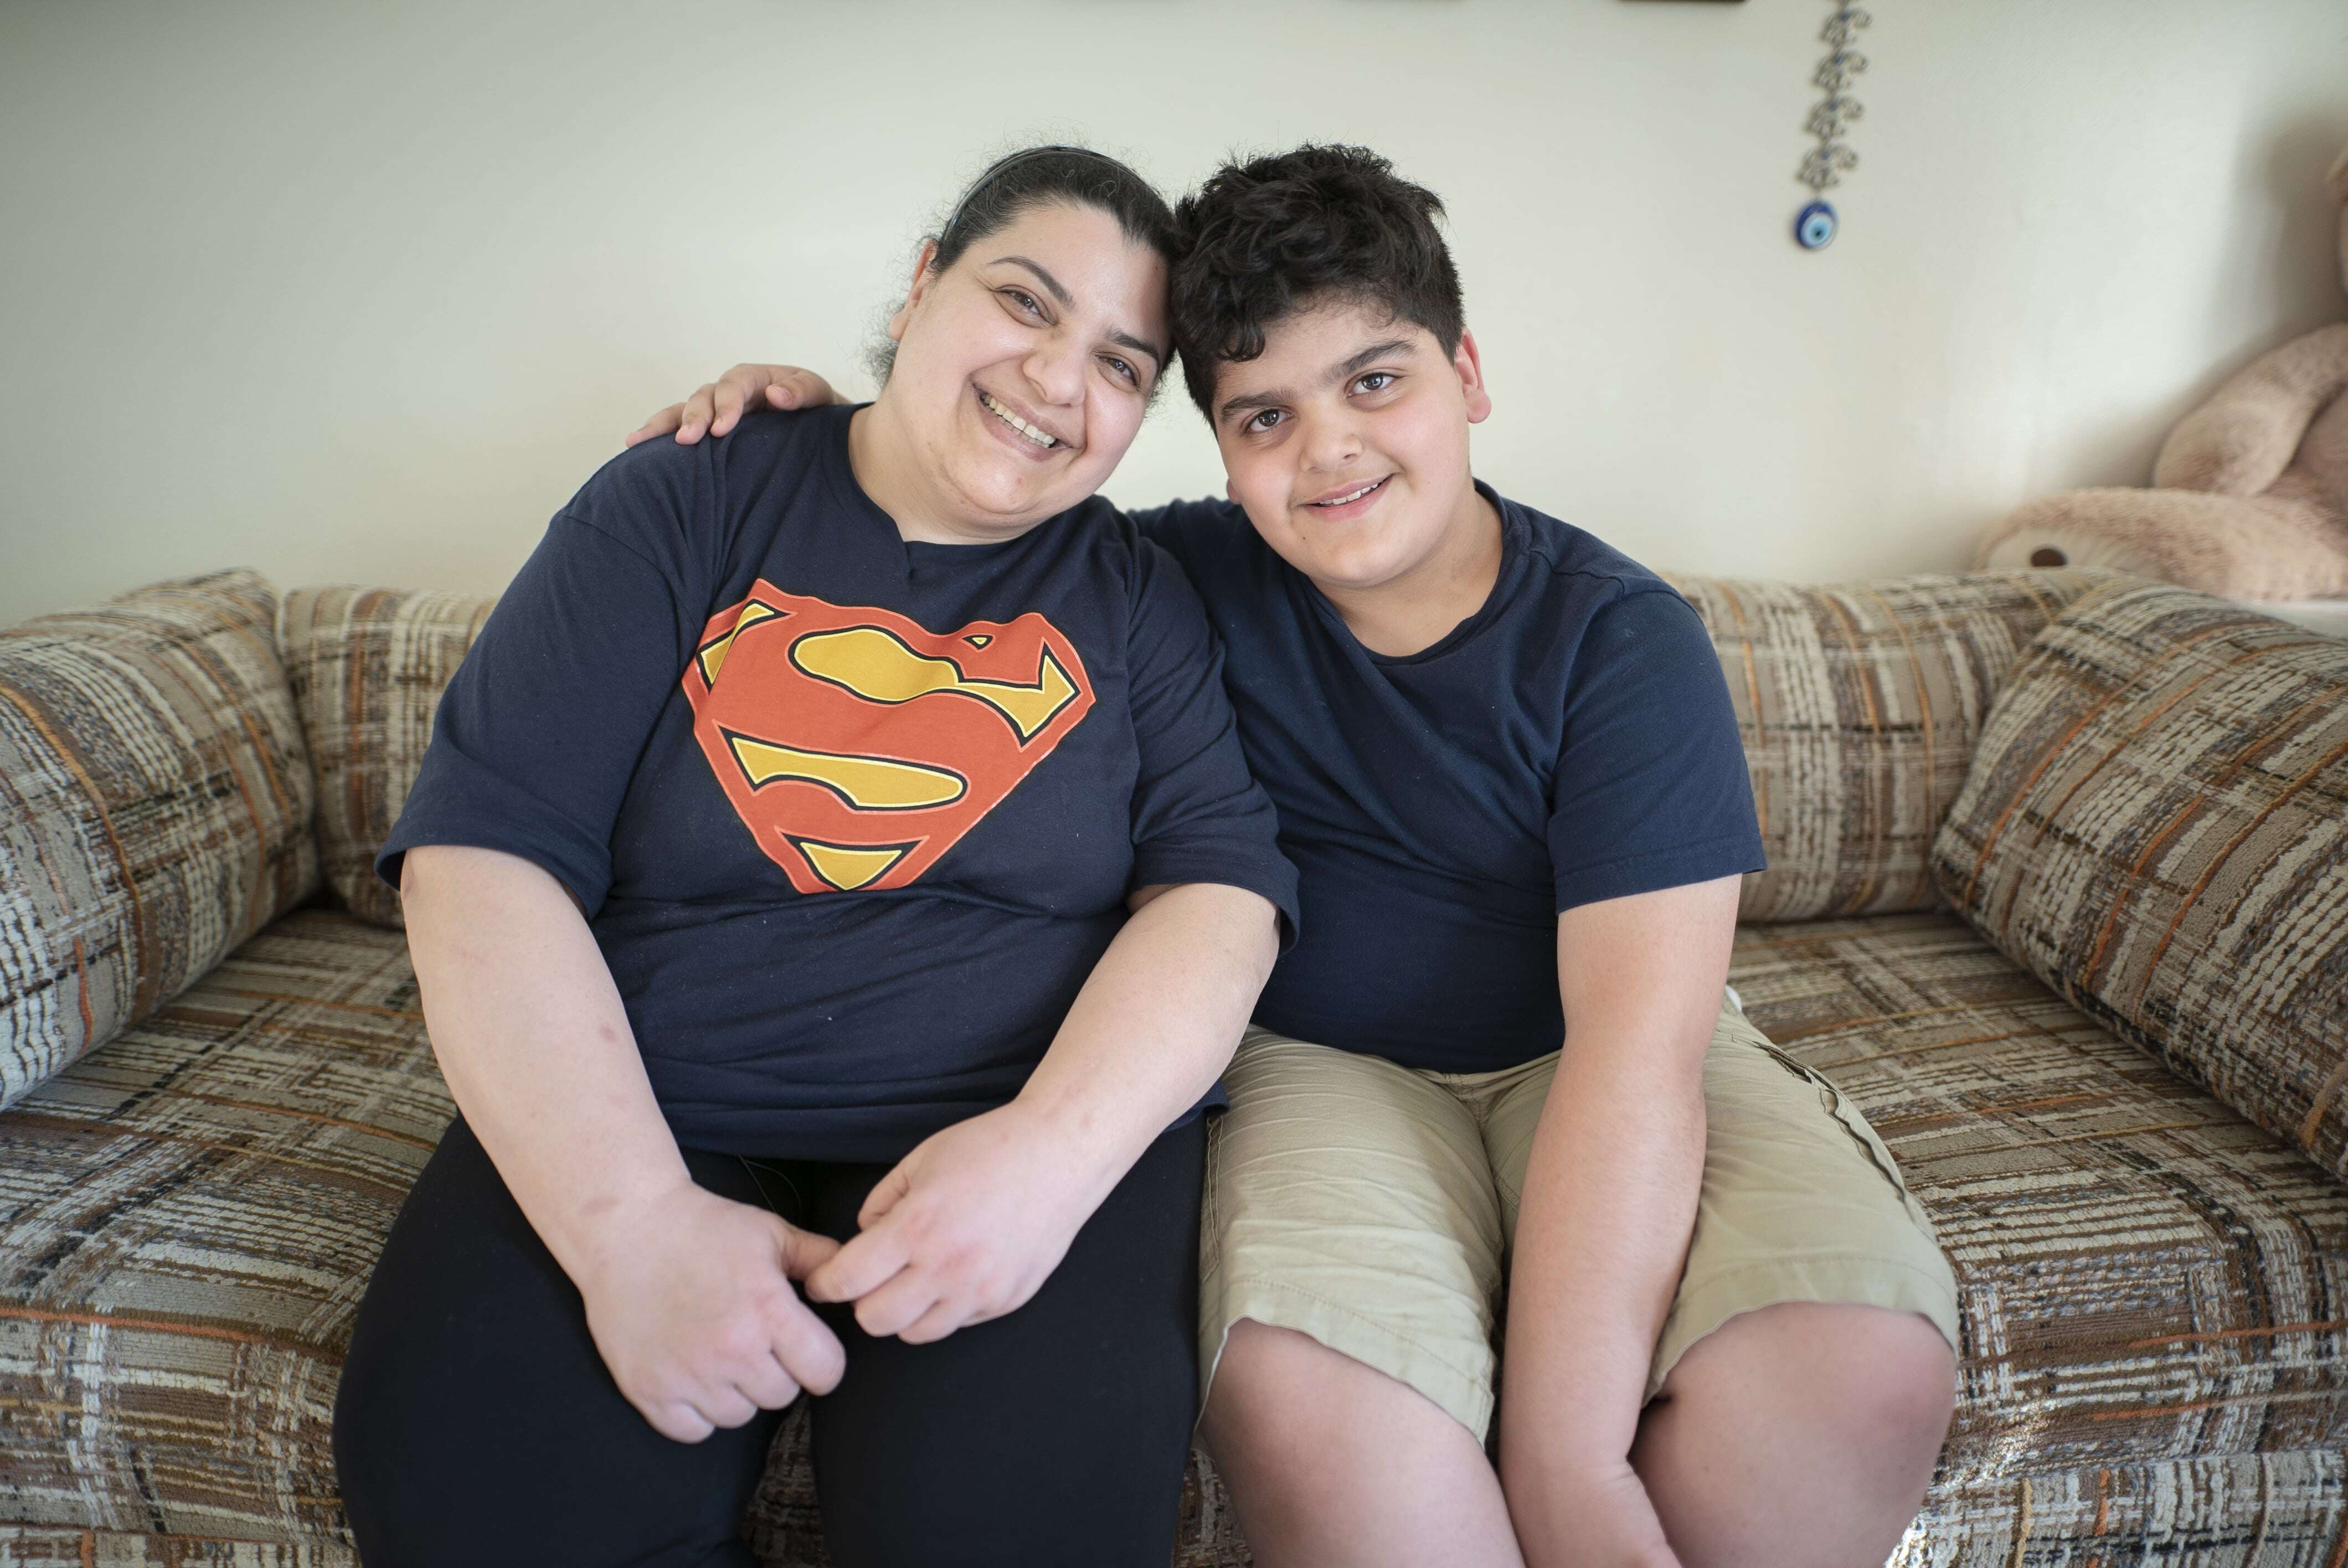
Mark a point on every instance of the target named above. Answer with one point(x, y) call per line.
point(1507, 772)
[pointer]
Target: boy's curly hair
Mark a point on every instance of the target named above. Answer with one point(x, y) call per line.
point(1263, 240)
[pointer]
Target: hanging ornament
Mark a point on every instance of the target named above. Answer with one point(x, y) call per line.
point(1824, 165)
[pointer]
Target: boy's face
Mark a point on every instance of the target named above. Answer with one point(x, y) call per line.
point(1347, 442)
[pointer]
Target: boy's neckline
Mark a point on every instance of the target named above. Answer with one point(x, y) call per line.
point(1501, 547)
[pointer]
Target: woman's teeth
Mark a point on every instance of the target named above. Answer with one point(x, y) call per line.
point(1348, 500)
point(1016, 423)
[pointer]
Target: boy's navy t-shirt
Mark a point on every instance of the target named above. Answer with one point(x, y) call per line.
point(1573, 741)
point(851, 818)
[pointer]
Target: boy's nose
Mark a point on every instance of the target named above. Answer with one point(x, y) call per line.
point(1331, 444)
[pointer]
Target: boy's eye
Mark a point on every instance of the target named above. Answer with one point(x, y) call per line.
point(1382, 378)
point(1260, 422)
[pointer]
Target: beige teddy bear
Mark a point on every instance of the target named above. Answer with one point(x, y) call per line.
point(2253, 485)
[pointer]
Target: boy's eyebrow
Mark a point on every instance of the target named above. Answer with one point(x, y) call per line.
point(1278, 395)
point(1058, 291)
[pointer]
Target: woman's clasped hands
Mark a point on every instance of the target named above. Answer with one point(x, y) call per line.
point(965, 1228)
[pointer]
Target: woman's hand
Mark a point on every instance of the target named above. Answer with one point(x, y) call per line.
point(690, 1302)
point(718, 405)
point(965, 1228)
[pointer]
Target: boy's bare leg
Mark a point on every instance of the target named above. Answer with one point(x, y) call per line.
point(1803, 1433)
point(1333, 1464)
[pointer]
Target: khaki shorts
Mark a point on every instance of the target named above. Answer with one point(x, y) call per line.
point(1372, 1207)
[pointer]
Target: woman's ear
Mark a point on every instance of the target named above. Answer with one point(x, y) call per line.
point(923, 277)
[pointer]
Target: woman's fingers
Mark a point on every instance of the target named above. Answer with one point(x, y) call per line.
point(898, 1305)
point(727, 1407)
point(660, 424)
point(885, 1195)
point(766, 1383)
point(809, 1351)
point(942, 1318)
point(802, 1252)
point(676, 1420)
point(857, 1268)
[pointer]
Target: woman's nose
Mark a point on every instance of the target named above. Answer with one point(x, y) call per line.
point(1056, 369)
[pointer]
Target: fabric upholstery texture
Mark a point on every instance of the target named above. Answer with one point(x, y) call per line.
point(154, 809)
point(2153, 1293)
point(367, 667)
point(1859, 704)
point(2147, 1283)
point(190, 1215)
point(2157, 826)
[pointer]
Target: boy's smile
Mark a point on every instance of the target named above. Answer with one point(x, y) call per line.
point(1346, 443)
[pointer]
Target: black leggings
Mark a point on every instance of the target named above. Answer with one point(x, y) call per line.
point(476, 1424)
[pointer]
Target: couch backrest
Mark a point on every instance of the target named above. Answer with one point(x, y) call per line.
point(367, 667)
point(1859, 703)
point(155, 802)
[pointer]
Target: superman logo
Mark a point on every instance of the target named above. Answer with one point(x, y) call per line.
point(857, 747)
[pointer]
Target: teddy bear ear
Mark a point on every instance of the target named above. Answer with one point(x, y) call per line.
point(2338, 178)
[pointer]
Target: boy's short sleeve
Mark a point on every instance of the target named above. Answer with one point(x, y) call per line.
point(1650, 788)
point(540, 731)
point(1197, 813)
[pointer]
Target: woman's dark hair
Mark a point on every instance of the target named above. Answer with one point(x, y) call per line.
point(1035, 177)
point(1266, 239)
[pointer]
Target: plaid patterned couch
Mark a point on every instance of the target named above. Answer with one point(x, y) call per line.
point(2058, 895)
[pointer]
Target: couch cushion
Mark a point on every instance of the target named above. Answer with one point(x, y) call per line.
point(367, 667)
point(1859, 704)
point(154, 809)
point(2157, 826)
point(190, 1215)
point(2141, 1272)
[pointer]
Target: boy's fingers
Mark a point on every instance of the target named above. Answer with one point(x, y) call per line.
point(859, 1267)
point(660, 424)
point(727, 400)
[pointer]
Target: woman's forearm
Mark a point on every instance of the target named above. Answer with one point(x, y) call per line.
point(535, 1045)
point(1156, 1021)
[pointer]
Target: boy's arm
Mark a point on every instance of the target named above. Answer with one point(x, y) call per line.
point(716, 406)
point(1609, 1200)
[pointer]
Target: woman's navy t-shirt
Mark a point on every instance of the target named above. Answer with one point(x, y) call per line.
point(1571, 742)
point(851, 818)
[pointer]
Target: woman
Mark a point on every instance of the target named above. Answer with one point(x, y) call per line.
point(768, 885)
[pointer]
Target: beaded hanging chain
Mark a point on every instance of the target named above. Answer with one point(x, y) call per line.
point(1824, 165)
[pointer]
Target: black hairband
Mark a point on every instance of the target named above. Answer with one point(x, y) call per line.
point(994, 171)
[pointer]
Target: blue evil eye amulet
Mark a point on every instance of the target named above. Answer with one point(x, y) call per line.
point(1814, 226)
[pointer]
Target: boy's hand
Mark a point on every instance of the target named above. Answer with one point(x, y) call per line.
point(965, 1228)
point(1604, 1517)
point(690, 1302)
point(718, 405)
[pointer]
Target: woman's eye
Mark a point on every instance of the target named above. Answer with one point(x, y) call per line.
point(1384, 379)
point(1124, 370)
point(1026, 301)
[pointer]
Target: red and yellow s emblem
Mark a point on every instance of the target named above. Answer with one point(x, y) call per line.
point(859, 748)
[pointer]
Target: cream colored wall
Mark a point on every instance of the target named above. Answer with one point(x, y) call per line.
point(363, 292)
